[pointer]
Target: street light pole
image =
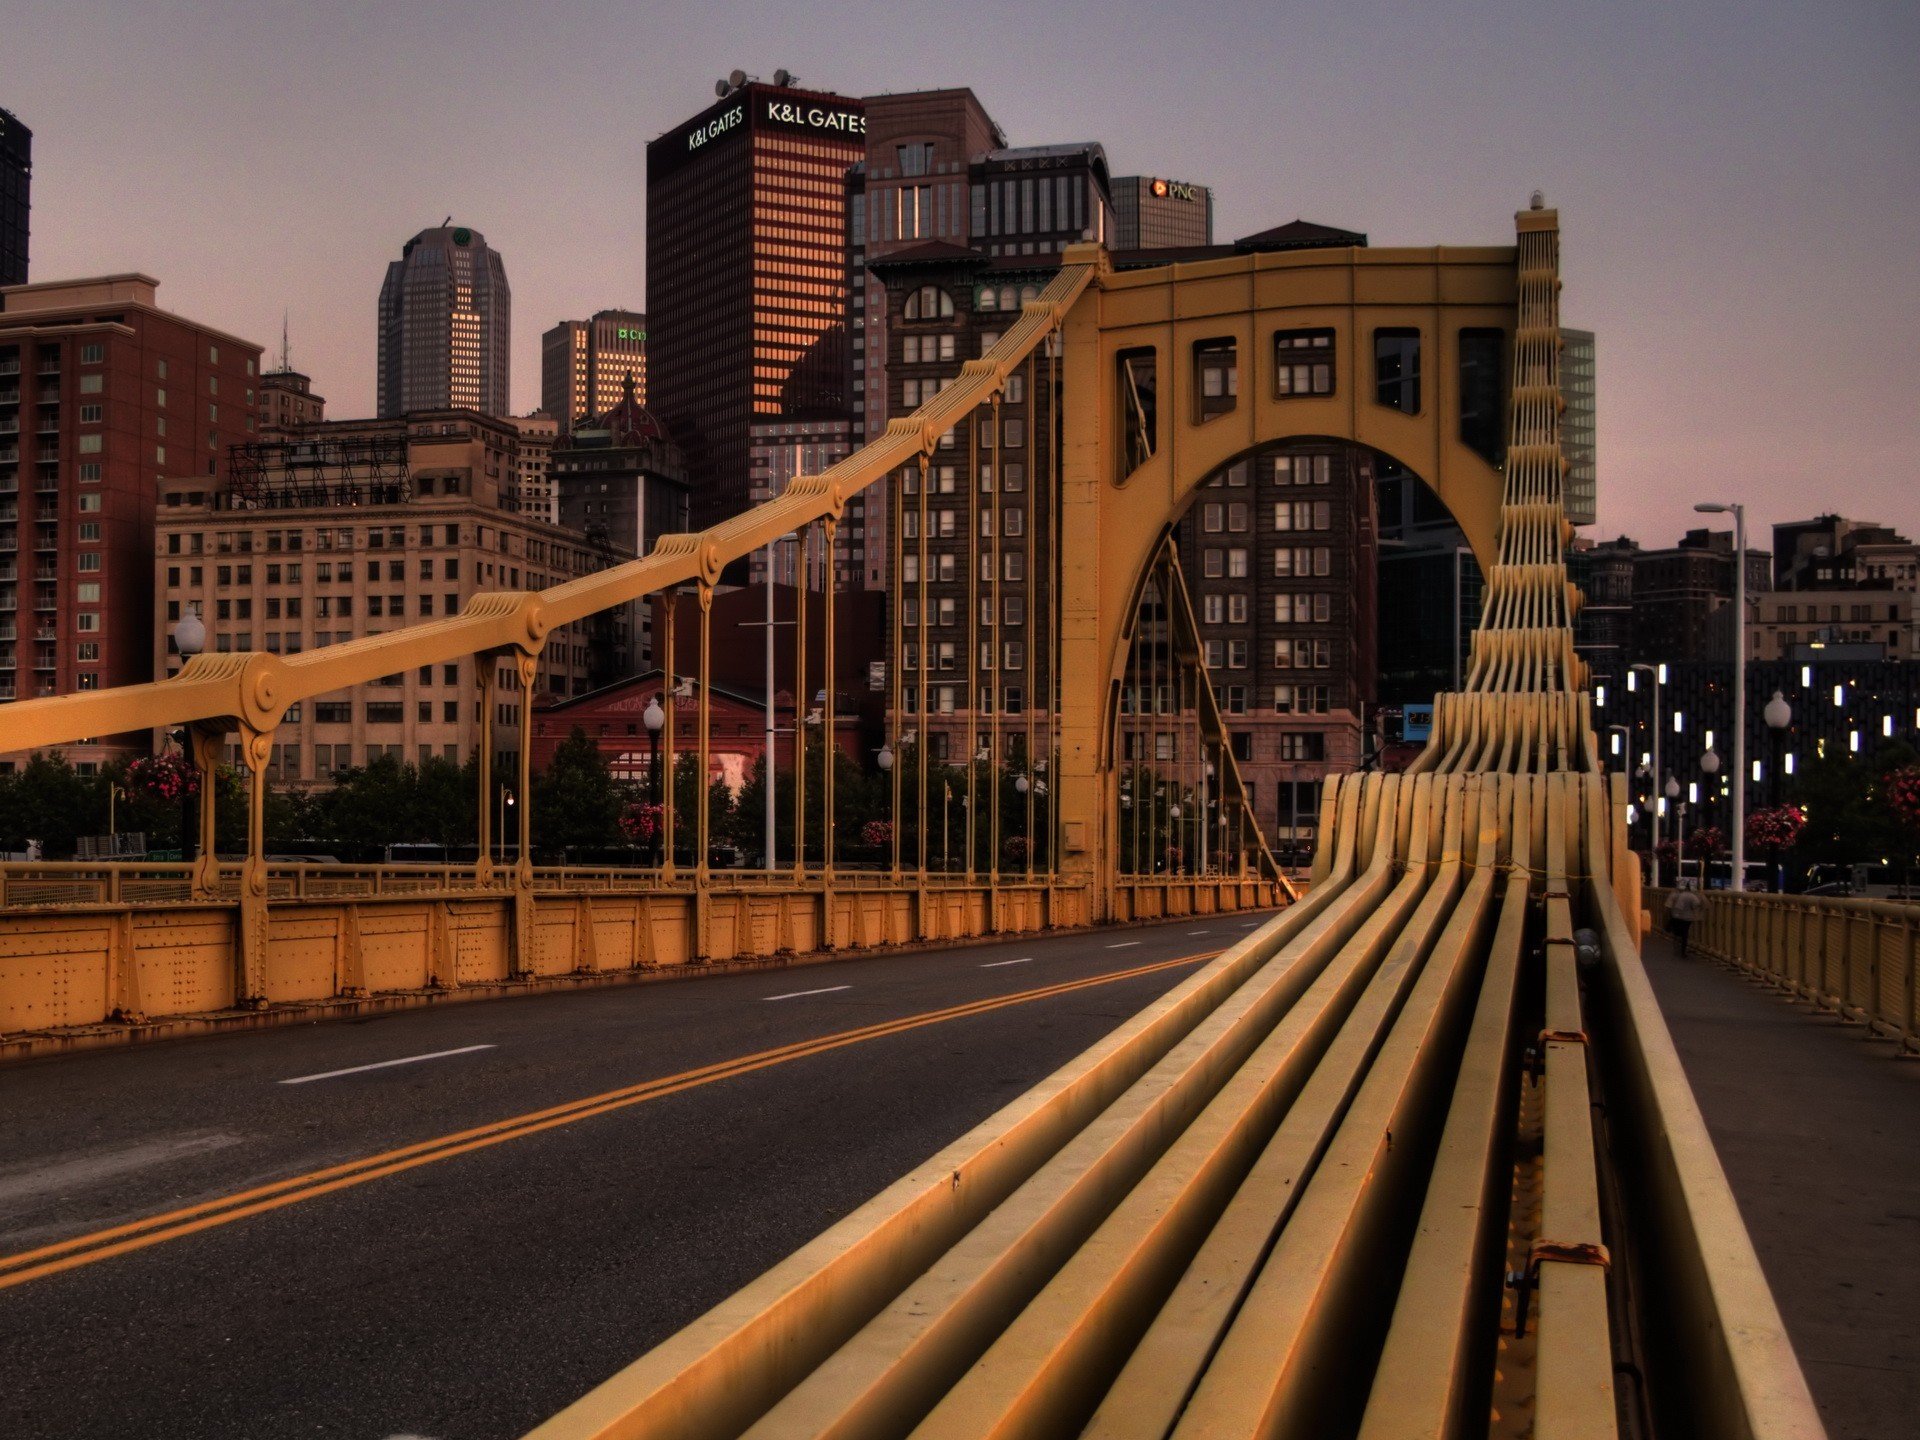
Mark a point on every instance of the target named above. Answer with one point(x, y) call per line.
point(189, 639)
point(1739, 513)
point(1653, 848)
point(654, 717)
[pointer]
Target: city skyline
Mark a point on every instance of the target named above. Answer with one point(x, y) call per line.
point(1707, 216)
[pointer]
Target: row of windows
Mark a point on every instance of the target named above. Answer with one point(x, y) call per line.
point(1308, 608)
point(1304, 365)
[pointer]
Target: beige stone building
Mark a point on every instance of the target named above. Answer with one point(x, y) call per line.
point(349, 528)
point(1799, 624)
point(533, 489)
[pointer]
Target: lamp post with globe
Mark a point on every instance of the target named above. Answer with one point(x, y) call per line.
point(1678, 824)
point(884, 759)
point(1710, 767)
point(1778, 714)
point(189, 639)
point(653, 717)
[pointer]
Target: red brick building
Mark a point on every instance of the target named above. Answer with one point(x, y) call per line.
point(614, 719)
point(102, 396)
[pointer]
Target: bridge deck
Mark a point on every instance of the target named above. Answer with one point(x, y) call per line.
point(1817, 1126)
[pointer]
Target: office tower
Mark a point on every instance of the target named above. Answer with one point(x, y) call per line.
point(1577, 425)
point(445, 326)
point(335, 530)
point(911, 190)
point(747, 275)
point(783, 450)
point(287, 400)
point(619, 481)
point(1154, 214)
point(16, 185)
point(585, 364)
point(103, 397)
point(533, 492)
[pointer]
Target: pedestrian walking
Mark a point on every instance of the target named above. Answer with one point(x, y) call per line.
point(1682, 910)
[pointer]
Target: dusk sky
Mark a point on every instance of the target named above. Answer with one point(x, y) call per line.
point(1739, 184)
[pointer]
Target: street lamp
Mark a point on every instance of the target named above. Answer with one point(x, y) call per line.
point(1710, 767)
point(1173, 815)
point(1679, 828)
point(1739, 513)
point(1653, 848)
point(506, 804)
point(189, 638)
point(653, 717)
point(1778, 714)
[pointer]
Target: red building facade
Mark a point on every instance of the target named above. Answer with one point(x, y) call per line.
point(102, 397)
point(614, 718)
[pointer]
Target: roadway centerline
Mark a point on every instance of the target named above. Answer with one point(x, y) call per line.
point(1123, 945)
point(45, 1260)
point(384, 1064)
point(996, 964)
point(801, 994)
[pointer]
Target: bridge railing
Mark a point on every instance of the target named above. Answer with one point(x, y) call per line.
point(1858, 958)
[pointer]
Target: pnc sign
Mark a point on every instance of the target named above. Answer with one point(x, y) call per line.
point(1175, 190)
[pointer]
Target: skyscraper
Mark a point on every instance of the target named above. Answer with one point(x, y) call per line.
point(747, 275)
point(445, 326)
point(16, 183)
point(585, 365)
point(1151, 213)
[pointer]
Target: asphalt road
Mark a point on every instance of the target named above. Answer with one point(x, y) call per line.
point(665, 1144)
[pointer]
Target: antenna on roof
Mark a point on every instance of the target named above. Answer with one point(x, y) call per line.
point(286, 349)
point(446, 222)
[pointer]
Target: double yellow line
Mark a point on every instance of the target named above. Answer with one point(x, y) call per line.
point(177, 1224)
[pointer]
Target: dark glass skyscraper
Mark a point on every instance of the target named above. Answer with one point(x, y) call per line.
point(16, 183)
point(445, 326)
point(747, 276)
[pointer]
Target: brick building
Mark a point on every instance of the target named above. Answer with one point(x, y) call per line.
point(102, 396)
point(357, 527)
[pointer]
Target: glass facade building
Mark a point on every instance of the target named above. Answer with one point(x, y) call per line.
point(445, 326)
point(16, 183)
point(747, 276)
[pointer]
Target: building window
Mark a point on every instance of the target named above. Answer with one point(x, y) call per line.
point(1302, 362)
point(929, 302)
point(1309, 746)
point(1396, 370)
point(1482, 399)
point(1217, 372)
point(1137, 372)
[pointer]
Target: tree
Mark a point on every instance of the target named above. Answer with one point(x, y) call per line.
point(576, 803)
point(49, 801)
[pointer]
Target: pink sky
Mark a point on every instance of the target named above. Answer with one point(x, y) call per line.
point(1739, 186)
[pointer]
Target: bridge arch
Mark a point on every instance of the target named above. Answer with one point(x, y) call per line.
point(1386, 349)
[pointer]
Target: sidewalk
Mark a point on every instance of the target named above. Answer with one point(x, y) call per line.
point(1819, 1130)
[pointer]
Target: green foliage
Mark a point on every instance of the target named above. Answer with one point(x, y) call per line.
point(1849, 817)
point(576, 804)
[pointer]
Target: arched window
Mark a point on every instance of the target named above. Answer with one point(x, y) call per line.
point(1007, 300)
point(929, 302)
point(1029, 292)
